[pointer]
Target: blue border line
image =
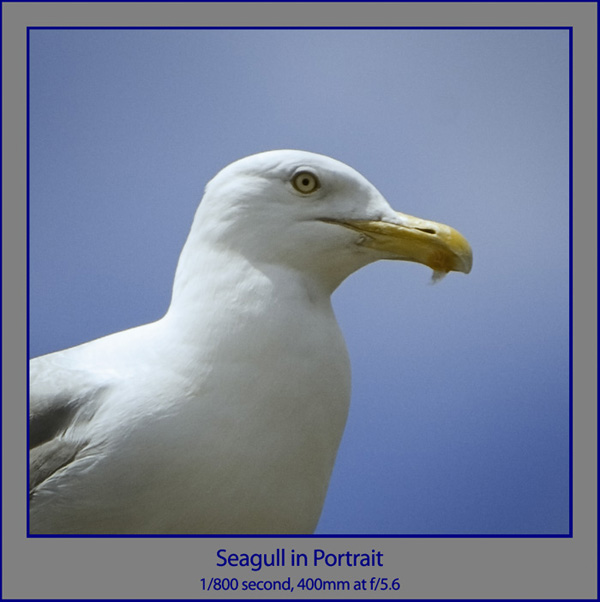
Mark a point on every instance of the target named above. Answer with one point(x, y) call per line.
point(27, 310)
point(571, 282)
point(311, 536)
point(338, 536)
point(292, 27)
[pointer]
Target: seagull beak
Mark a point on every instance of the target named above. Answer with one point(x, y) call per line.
point(408, 238)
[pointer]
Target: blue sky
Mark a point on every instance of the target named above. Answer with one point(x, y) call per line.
point(460, 405)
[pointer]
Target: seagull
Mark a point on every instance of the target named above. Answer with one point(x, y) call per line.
point(224, 416)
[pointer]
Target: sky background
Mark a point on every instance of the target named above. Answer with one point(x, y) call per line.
point(459, 421)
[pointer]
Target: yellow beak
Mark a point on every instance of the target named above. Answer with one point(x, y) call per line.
point(437, 246)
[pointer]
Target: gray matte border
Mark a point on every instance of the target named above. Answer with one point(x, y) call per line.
point(427, 568)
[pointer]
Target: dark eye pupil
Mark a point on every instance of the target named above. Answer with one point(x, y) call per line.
point(306, 181)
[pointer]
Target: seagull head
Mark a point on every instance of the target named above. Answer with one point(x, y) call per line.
point(309, 212)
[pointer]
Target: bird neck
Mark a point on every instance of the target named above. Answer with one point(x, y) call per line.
point(209, 278)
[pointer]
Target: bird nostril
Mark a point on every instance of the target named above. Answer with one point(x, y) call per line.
point(427, 230)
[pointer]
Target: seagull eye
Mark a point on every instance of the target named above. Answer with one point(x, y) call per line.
point(305, 182)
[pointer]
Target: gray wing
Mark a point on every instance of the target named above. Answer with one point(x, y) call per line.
point(60, 399)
